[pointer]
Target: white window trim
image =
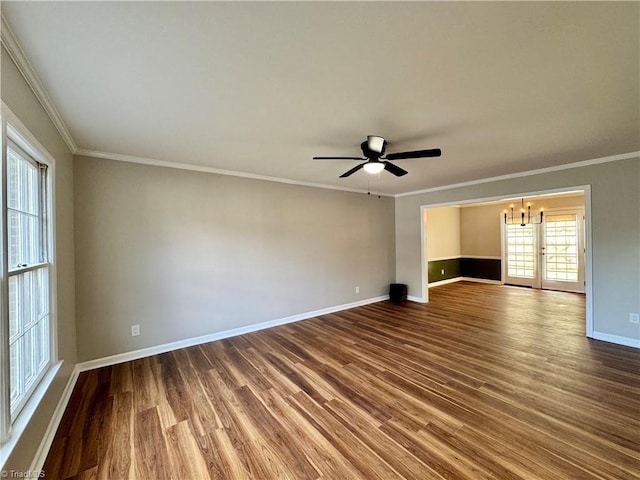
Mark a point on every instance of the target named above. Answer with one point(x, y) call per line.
point(24, 417)
point(11, 271)
point(12, 429)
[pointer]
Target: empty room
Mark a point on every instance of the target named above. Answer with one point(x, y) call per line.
point(320, 240)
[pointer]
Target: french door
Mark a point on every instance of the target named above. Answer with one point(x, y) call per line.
point(549, 255)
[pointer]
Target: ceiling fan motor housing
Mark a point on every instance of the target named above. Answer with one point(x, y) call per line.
point(376, 143)
point(373, 154)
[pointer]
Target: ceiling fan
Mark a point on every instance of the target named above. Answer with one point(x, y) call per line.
point(373, 150)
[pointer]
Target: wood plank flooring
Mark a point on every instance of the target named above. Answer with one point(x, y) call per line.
point(485, 381)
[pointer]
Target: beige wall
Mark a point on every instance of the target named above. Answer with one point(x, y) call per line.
point(442, 232)
point(549, 202)
point(185, 253)
point(480, 228)
point(616, 255)
point(480, 231)
point(20, 99)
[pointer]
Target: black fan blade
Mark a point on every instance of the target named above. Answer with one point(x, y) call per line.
point(435, 152)
point(391, 168)
point(339, 158)
point(352, 171)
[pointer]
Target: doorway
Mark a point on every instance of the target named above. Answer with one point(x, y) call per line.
point(548, 255)
point(544, 198)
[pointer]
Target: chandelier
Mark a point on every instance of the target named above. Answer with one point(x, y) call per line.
point(525, 216)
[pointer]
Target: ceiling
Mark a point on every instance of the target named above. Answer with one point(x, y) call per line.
point(260, 88)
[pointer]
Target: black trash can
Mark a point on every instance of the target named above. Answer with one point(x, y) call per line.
point(397, 292)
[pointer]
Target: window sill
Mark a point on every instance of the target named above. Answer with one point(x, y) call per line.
point(20, 425)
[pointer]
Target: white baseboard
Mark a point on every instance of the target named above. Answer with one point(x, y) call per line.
point(189, 342)
point(453, 280)
point(481, 280)
point(52, 428)
point(465, 279)
point(443, 282)
point(416, 299)
point(617, 339)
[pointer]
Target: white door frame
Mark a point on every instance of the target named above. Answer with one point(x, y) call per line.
point(586, 189)
point(518, 281)
point(579, 285)
point(538, 280)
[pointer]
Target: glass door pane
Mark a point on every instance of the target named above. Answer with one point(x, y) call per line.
point(521, 254)
point(548, 255)
point(563, 253)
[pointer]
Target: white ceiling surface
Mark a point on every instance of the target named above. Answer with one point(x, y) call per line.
point(262, 87)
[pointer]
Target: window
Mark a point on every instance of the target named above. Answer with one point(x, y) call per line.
point(28, 274)
point(561, 239)
point(26, 342)
point(548, 255)
point(520, 251)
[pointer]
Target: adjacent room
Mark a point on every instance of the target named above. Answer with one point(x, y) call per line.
point(306, 240)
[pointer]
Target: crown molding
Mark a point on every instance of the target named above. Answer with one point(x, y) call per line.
point(15, 51)
point(11, 44)
point(218, 171)
point(556, 168)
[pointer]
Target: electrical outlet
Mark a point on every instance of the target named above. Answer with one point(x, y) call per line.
point(442, 272)
point(357, 289)
point(634, 318)
point(135, 330)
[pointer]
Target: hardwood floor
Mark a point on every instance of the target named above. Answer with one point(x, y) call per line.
point(485, 381)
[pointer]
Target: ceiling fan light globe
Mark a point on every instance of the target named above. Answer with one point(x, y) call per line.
point(373, 167)
point(375, 143)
